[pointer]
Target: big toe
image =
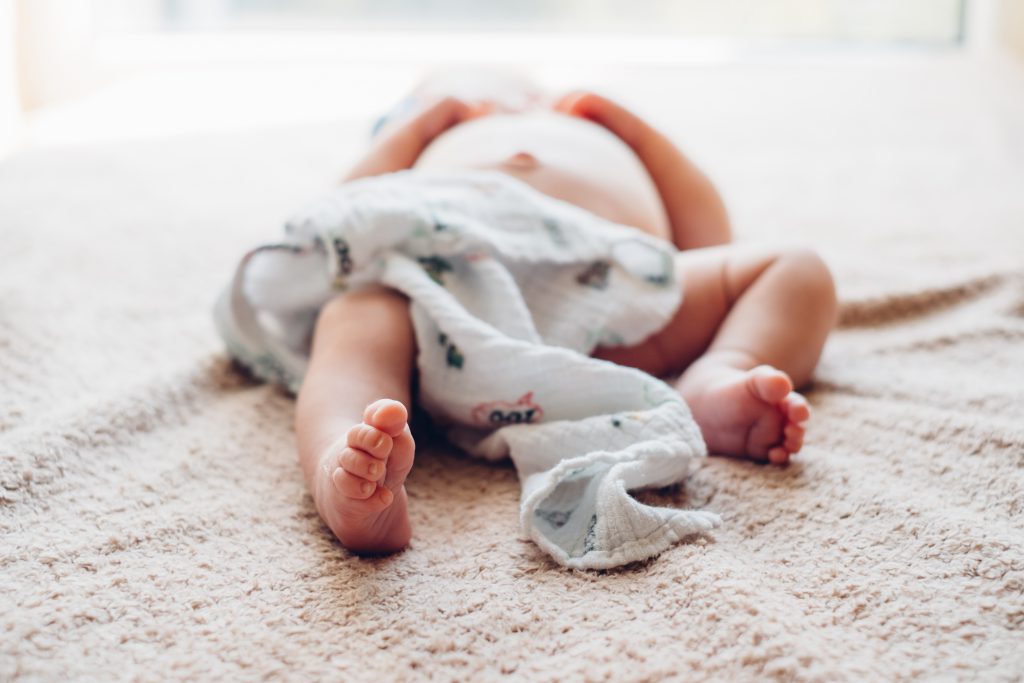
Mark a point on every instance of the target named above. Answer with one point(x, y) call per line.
point(769, 384)
point(387, 415)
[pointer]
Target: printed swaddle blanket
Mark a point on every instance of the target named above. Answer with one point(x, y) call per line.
point(510, 291)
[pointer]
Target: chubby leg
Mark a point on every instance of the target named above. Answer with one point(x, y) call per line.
point(752, 325)
point(351, 419)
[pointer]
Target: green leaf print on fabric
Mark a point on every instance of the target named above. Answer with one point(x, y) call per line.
point(596, 275)
point(589, 542)
point(556, 518)
point(453, 357)
point(644, 260)
point(436, 267)
point(342, 254)
point(555, 231)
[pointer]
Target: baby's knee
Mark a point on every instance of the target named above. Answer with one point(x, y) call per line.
point(806, 268)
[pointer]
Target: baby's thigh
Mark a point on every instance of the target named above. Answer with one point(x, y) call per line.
point(712, 279)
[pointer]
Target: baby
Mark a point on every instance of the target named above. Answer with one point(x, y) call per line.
point(751, 326)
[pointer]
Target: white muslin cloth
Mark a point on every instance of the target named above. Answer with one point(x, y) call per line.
point(510, 291)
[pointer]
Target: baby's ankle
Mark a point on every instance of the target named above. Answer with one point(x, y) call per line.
point(736, 359)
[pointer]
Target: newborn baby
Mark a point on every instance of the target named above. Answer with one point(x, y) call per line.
point(751, 326)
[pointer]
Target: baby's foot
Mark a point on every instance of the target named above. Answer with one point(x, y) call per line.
point(753, 412)
point(361, 494)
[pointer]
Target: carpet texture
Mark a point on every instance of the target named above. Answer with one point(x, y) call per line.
point(154, 523)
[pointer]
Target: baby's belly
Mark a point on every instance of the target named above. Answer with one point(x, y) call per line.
point(568, 158)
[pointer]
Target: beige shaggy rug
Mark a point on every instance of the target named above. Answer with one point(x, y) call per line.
point(154, 523)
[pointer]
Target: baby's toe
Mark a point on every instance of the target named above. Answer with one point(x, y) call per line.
point(371, 440)
point(796, 407)
point(355, 461)
point(794, 438)
point(386, 415)
point(401, 459)
point(351, 486)
point(778, 456)
point(769, 384)
point(764, 434)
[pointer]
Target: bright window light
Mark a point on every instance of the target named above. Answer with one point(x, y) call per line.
point(929, 22)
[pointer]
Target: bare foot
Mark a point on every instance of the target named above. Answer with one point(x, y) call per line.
point(753, 412)
point(360, 488)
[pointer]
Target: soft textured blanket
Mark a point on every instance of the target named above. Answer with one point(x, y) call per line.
point(154, 523)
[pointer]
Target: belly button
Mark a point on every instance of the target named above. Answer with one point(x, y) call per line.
point(523, 160)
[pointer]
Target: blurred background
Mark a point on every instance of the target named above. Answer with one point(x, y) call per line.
point(76, 71)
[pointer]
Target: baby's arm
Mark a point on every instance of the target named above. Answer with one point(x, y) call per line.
point(399, 145)
point(695, 208)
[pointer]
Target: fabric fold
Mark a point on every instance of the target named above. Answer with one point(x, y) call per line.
point(510, 291)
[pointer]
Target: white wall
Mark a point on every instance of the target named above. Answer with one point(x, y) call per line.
point(55, 41)
point(10, 106)
point(1011, 26)
point(996, 28)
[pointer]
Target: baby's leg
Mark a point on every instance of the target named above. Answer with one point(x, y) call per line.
point(752, 324)
point(351, 419)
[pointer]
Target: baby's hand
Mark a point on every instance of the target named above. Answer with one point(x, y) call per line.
point(629, 127)
point(478, 110)
point(694, 206)
point(400, 144)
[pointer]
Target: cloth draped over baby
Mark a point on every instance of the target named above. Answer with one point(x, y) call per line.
point(510, 291)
